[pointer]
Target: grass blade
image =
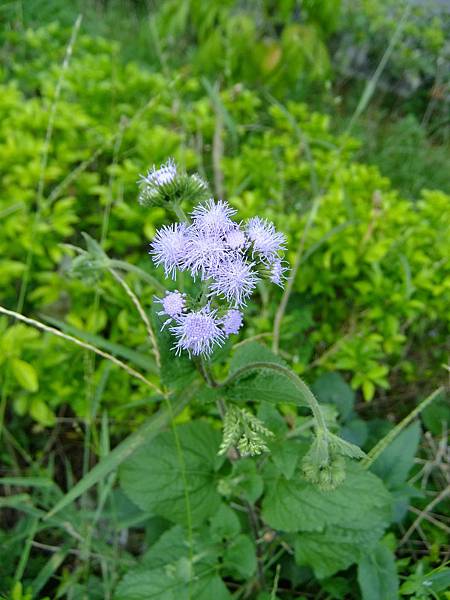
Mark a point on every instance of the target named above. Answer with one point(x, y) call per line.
point(144, 361)
point(47, 571)
point(384, 442)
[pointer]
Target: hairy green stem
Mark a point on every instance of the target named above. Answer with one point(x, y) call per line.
point(178, 211)
point(301, 386)
point(207, 374)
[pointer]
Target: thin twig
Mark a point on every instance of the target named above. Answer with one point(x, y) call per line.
point(384, 443)
point(429, 507)
point(254, 526)
point(430, 518)
point(82, 344)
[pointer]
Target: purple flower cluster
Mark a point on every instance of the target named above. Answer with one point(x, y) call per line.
point(228, 257)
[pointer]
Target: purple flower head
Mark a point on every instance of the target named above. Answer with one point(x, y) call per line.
point(234, 279)
point(232, 321)
point(202, 253)
point(277, 270)
point(168, 247)
point(198, 332)
point(162, 176)
point(236, 239)
point(213, 217)
point(267, 241)
point(173, 304)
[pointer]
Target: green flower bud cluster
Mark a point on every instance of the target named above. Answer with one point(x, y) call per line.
point(169, 186)
point(244, 431)
point(324, 463)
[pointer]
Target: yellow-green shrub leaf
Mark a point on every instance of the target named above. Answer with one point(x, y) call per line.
point(25, 374)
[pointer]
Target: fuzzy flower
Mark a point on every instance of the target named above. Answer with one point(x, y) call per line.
point(168, 184)
point(236, 239)
point(213, 217)
point(198, 332)
point(232, 321)
point(202, 253)
point(165, 174)
point(172, 304)
point(267, 241)
point(234, 279)
point(168, 247)
point(277, 270)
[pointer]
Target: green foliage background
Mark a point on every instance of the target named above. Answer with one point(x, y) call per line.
point(252, 97)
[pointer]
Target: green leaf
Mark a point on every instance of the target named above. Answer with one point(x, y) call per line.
point(335, 548)
point(42, 413)
point(395, 462)
point(437, 415)
point(251, 352)
point(286, 456)
point(239, 559)
point(272, 419)
point(25, 374)
point(225, 523)
point(171, 571)
point(360, 502)
point(331, 388)
point(139, 359)
point(248, 483)
point(264, 386)
point(377, 575)
point(336, 527)
point(159, 475)
point(122, 451)
point(437, 580)
point(260, 385)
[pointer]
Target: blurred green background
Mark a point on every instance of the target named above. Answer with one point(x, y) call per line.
point(330, 118)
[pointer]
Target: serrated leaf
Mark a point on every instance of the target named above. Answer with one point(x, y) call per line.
point(248, 482)
point(25, 374)
point(360, 502)
point(158, 476)
point(225, 523)
point(122, 451)
point(261, 385)
point(335, 548)
point(171, 571)
point(377, 575)
point(345, 448)
point(265, 386)
point(239, 558)
point(251, 352)
point(286, 456)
